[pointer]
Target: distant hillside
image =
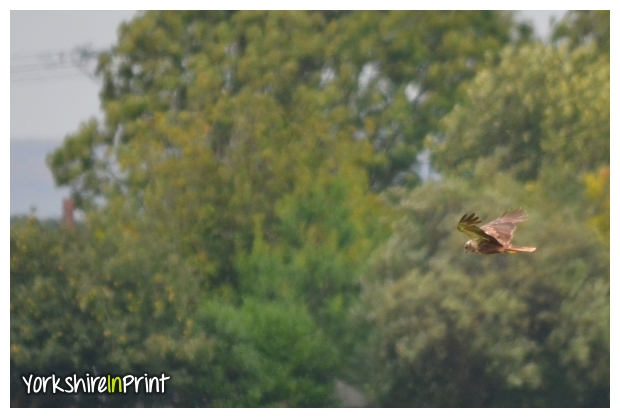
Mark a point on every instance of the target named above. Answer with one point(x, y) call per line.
point(32, 184)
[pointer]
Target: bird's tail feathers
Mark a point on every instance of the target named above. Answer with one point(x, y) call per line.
point(514, 249)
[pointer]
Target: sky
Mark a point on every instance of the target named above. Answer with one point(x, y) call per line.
point(50, 103)
point(51, 97)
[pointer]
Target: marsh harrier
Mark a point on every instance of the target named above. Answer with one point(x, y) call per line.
point(495, 236)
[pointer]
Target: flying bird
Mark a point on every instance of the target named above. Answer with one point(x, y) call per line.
point(495, 236)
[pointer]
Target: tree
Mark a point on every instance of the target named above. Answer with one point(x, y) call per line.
point(228, 194)
point(198, 192)
point(461, 330)
point(51, 332)
point(542, 114)
point(227, 159)
point(267, 353)
point(387, 77)
point(540, 105)
point(579, 27)
point(597, 191)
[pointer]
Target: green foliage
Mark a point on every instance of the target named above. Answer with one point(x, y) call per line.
point(219, 155)
point(597, 192)
point(232, 239)
point(46, 338)
point(384, 77)
point(412, 68)
point(314, 257)
point(461, 330)
point(527, 330)
point(582, 26)
point(266, 354)
point(540, 105)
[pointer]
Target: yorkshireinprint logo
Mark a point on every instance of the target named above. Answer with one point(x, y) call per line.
point(95, 384)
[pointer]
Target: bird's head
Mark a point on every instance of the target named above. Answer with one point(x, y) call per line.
point(470, 246)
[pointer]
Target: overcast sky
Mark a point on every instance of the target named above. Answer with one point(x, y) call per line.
point(50, 97)
point(49, 100)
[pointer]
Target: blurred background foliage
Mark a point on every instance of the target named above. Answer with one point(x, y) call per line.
point(270, 208)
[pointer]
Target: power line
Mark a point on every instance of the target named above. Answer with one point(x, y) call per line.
point(50, 65)
point(47, 77)
point(38, 54)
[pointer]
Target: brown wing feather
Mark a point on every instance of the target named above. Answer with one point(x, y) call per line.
point(503, 227)
point(467, 225)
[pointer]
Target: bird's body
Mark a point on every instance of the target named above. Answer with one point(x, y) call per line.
point(494, 237)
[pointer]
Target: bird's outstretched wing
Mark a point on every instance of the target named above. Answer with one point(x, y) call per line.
point(467, 225)
point(503, 227)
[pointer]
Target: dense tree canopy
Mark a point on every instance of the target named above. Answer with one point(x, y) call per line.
point(539, 106)
point(385, 77)
point(489, 331)
point(533, 132)
point(584, 26)
point(257, 225)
